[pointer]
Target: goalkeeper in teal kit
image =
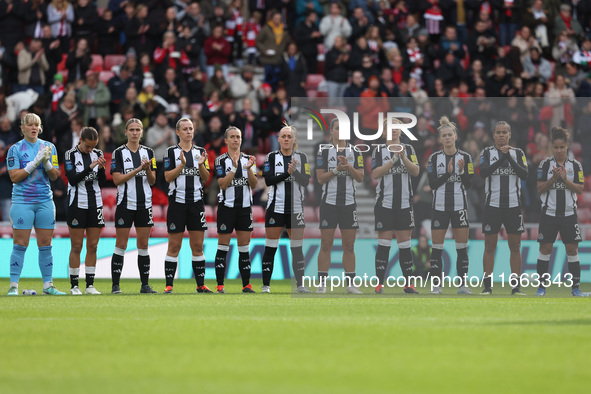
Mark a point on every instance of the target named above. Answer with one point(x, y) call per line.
point(31, 164)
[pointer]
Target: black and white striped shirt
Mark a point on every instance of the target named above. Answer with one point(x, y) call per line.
point(340, 190)
point(136, 193)
point(287, 191)
point(238, 194)
point(503, 175)
point(559, 200)
point(84, 183)
point(449, 190)
point(187, 187)
point(394, 189)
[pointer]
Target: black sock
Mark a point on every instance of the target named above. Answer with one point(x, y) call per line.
point(382, 255)
point(74, 276)
point(543, 270)
point(436, 270)
point(575, 269)
point(143, 264)
point(116, 268)
point(516, 280)
point(298, 264)
point(268, 257)
point(462, 264)
point(244, 266)
point(405, 258)
point(350, 276)
point(487, 282)
point(220, 266)
point(322, 275)
point(169, 269)
point(90, 275)
point(199, 270)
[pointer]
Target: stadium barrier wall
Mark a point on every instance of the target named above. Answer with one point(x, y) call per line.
point(364, 250)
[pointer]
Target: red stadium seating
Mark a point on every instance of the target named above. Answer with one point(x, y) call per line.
point(258, 214)
point(310, 214)
point(109, 213)
point(157, 214)
point(97, 63)
point(313, 81)
point(109, 195)
point(258, 232)
point(104, 76)
point(260, 160)
point(113, 60)
point(210, 214)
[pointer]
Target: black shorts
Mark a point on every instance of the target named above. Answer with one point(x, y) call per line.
point(190, 215)
point(124, 217)
point(551, 225)
point(230, 219)
point(85, 218)
point(344, 216)
point(493, 218)
point(387, 219)
point(287, 220)
point(440, 219)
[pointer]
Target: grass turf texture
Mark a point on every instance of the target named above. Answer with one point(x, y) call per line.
point(276, 343)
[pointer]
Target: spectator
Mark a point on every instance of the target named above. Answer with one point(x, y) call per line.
point(271, 43)
point(195, 20)
point(336, 71)
point(450, 42)
point(118, 135)
point(249, 122)
point(131, 99)
point(536, 68)
point(278, 113)
point(53, 54)
point(35, 16)
point(106, 142)
point(563, 50)
point(482, 44)
point(584, 136)
point(136, 31)
point(565, 22)
point(218, 83)
point(561, 98)
point(7, 134)
point(334, 25)
point(170, 88)
point(359, 49)
point(70, 138)
point(57, 91)
point(85, 20)
point(148, 90)
point(32, 65)
point(118, 85)
point(159, 137)
point(524, 41)
point(357, 86)
point(368, 67)
point(246, 86)
point(583, 56)
point(538, 20)
point(217, 50)
point(66, 111)
point(12, 15)
point(307, 37)
point(170, 56)
point(79, 60)
point(170, 22)
point(375, 46)
point(411, 29)
point(107, 34)
point(196, 88)
point(450, 71)
point(192, 45)
point(294, 72)
point(498, 84)
point(573, 75)
point(359, 23)
point(212, 106)
point(251, 30)
point(509, 18)
point(60, 15)
point(433, 20)
point(95, 98)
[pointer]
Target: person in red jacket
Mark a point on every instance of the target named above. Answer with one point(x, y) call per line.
point(170, 56)
point(217, 49)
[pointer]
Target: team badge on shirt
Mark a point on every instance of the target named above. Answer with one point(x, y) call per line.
point(75, 222)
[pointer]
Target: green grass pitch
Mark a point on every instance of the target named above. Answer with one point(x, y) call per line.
point(275, 343)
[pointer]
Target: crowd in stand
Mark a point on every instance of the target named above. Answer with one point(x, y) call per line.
point(178, 56)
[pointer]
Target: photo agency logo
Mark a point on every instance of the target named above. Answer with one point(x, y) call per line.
point(345, 127)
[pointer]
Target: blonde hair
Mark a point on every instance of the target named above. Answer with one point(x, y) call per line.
point(294, 134)
point(444, 122)
point(32, 118)
point(230, 128)
point(134, 120)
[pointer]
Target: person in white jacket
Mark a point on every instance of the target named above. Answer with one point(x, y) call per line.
point(334, 25)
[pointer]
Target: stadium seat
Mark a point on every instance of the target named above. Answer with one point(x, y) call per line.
point(104, 76)
point(109, 213)
point(313, 81)
point(209, 214)
point(258, 214)
point(97, 63)
point(109, 195)
point(157, 213)
point(584, 215)
point(113, 60)
point(310, 215)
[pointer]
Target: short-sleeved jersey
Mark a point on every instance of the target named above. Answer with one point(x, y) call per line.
point(449, 190)
point(136, 193)
point(238, 194)
point(36, 187)
point(502, 188)
point(559, 200)
point(340, 190)
point(394, 189)
point(187, 187)
point(287, 192)
point(84, 191)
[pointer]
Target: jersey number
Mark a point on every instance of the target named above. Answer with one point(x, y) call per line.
point(463, 221)
point(99, 216)
point(203, 218)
